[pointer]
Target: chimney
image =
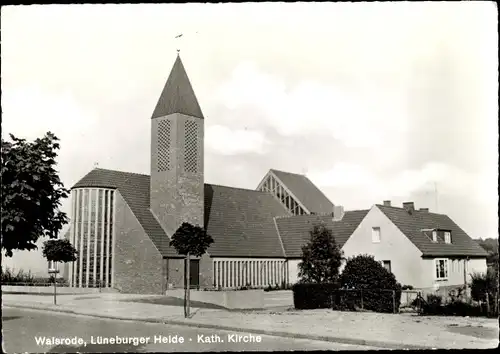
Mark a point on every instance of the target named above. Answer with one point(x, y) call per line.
point(338, 212)
point(424, 210)
point(387, 203)
point(409, 207)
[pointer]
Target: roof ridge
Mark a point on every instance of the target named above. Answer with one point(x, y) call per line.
point(416, 210)
point(120, 171)
point(240, 188)
point(290, 173)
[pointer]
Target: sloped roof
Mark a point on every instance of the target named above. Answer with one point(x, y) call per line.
point(134, 188)
point(306, 191)
point(239, 220)
point(412, 225)
point(177, 95)
point(295, 230)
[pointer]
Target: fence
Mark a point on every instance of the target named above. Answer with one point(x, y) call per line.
point(456, 303)
point(378, 300)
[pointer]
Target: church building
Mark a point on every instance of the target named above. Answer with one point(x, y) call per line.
point(121, 222)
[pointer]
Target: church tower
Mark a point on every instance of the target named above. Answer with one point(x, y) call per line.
point(177, 139)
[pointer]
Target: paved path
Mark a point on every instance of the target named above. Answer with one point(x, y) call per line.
point(373, 329)
point(22, 328)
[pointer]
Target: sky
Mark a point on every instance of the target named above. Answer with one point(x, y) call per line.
point(372, 101)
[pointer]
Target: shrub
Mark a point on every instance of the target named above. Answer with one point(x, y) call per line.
point(364, 272)
point(313, 295)
point(407, 287)
point(321, 257)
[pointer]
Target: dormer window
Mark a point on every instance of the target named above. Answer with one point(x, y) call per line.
point(447, 237)
point(434, 236)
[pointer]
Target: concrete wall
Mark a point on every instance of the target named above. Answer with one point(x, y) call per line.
point(293, 270)
point(137, 264)
point(239, 299)
point(394, 246)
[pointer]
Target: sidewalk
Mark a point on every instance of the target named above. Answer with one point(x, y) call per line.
point(372, 329)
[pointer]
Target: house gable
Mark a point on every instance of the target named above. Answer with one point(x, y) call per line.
point(394, 246)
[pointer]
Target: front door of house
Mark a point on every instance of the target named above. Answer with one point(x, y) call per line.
point(194, 273)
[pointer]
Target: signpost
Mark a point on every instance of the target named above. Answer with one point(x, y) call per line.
point(53, 272)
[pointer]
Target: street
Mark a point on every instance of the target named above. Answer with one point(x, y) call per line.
point(40, 331)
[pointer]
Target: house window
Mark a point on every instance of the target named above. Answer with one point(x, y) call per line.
point(376, 234)
point(447, 237)
point(441, 269)
point(387, 265)
point(434, 236)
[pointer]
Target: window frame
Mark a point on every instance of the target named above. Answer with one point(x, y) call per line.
point(446, 269)
point(447, 237)
point(375, 228)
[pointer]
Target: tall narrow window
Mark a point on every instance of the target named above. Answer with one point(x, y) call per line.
point(447, 237)
point(164, 128)
point(441, 269)
point(434, 236)
point(376, 234)
point(191, 147)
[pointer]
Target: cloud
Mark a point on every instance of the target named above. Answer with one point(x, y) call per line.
point(310, 107)
point(343, 175)
point(225, 141)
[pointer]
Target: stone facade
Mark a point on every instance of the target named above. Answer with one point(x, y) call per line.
point(137, 264)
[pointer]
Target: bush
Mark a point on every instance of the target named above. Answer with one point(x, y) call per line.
point(407, 287)
point(365, 273)
point(454, 308)
point(26, 278)
point(313, 295)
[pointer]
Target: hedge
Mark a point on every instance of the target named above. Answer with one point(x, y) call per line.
point(313, 295)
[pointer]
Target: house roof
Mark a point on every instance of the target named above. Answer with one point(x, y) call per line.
point(412, 225)
point(295, 230)
point(177, 95)
point(307, 193)
point(239, 220)
point(134, 188)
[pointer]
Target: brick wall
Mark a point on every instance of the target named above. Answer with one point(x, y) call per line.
point(177, 195)
point(138, 265)
point(175, 272)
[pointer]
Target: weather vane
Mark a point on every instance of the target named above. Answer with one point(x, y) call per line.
point(178, 36)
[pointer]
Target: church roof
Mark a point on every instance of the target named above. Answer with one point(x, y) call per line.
point(412, 225)
point(177, 95)
point(239, 220)
point(295, 231)
point(305, 191)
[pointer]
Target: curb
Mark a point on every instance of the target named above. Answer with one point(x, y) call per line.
point(341, 340)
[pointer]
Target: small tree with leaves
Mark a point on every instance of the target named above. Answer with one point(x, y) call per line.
point(321, 257)
point(190, 240)
point(31, 192)
point(59, 251)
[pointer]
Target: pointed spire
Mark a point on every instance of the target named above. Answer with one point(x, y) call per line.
point(177, 95)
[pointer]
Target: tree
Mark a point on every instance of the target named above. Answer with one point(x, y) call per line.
point(190, 240)
point(31, 192)
point(490, 245)
point(321, 257)
point(58, 251)
point(380, 290)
